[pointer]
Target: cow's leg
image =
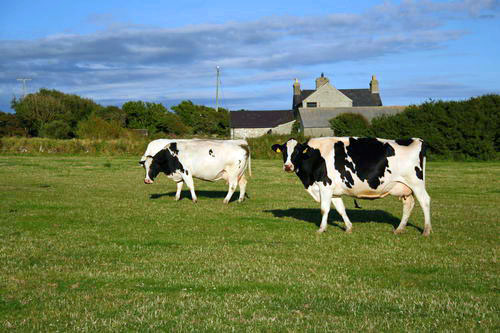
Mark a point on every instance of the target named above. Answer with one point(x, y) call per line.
point(326, 198)
point(242, 183)
point(188, 179)
point(233, 183)
point(408, 204)
point(425, 202)
point(313, 190)
point(339, 206)
point(179, 189)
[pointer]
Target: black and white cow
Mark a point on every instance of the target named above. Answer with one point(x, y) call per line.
point(365, 168)
point(183, 160)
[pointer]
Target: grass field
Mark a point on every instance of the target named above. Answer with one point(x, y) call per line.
point(86, 246)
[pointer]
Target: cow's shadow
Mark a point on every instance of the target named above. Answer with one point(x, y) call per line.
point(313, 215)
point(186, 194)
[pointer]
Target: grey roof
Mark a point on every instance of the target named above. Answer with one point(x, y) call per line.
point(319, 117)
point(359, 97)
point(260, 119)
point(362, 97)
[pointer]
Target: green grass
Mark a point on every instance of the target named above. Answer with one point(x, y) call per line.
point(86, 246)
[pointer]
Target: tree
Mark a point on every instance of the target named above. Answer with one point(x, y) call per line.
point(10, 125)
point(37, 110)
point(154, 117)
point(202, 119)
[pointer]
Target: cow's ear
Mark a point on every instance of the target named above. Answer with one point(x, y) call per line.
point(142, 162)
point(276, 148)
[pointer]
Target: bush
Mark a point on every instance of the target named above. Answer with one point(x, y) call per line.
point(261, 147)
point(98, 129)
point(57, 129)
point(350, 124)
point(453, 130)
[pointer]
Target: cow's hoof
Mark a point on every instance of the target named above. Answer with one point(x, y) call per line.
point(348, 231)
point(241, 200)
point(426, 232)
point(177, 199)
point(195, 200)
point(225, 201)
point(398, 231)
point(320, 231)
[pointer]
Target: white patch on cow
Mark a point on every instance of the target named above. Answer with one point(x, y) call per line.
point(290, 147)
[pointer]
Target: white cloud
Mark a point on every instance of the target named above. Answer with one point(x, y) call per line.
point(130, 62)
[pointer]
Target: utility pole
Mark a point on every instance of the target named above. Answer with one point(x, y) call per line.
point(217, 90)
point(23, 80)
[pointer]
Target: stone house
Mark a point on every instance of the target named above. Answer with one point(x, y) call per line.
point(313, 109)
point(251, 124)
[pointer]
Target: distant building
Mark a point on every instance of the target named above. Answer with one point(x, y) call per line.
point(313, 109)
point(251, 124)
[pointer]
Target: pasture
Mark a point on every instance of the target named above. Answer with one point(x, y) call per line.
point(86, 246)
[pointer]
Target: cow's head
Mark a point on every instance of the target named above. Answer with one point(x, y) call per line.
point(153, 165)
point(292, 152)
point(166, 160)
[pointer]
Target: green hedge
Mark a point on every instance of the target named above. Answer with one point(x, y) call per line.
point(466, 130)
point(260, 147)
point(21, 145)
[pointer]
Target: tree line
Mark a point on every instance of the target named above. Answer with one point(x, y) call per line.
point(53, 114)
point(459, 130)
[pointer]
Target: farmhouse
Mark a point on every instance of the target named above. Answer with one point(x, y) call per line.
point(312, 109)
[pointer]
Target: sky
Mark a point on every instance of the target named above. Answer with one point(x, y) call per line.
point(167, 51)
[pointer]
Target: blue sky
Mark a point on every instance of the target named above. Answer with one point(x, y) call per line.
point(166, 51)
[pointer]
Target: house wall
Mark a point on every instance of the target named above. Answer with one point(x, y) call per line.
point(243, 133)
point(328, 96)
point(318, 131)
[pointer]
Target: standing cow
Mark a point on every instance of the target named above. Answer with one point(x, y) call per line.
point(365, 168)
point(183, 160)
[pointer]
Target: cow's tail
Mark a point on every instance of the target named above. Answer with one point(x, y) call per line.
point(249, 157)
point(423, 156)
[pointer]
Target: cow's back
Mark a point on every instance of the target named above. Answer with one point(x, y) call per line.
point(208, 159)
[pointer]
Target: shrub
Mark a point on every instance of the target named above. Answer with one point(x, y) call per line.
point(457, 130)
point(98, 128)
point(56, 129)
point(350, 124)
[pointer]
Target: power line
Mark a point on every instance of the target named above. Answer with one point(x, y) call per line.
point(217, 90)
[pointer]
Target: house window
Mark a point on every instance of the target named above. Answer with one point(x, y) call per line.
point(312, 104)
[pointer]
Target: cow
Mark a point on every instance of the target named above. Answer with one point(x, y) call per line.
point(210, 160)
point(364, 168)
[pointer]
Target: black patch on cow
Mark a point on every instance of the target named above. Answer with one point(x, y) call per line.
point(282, 148)
point(187, 172)
point(369, 156)
point(404, 142)
point(165, 162)
point(420, 170)
point(173, 148)
point(309, 165)
point(211, 153)
point(341, 163)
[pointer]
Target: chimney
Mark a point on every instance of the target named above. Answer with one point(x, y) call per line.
point(322, 80)
point(374, 85)
point(296, 94)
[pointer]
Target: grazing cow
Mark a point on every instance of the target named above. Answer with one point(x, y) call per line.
point(183, 160)
point(365, 168)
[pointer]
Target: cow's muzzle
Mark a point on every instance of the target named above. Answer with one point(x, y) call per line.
point(288, 167)
point(148, 181)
